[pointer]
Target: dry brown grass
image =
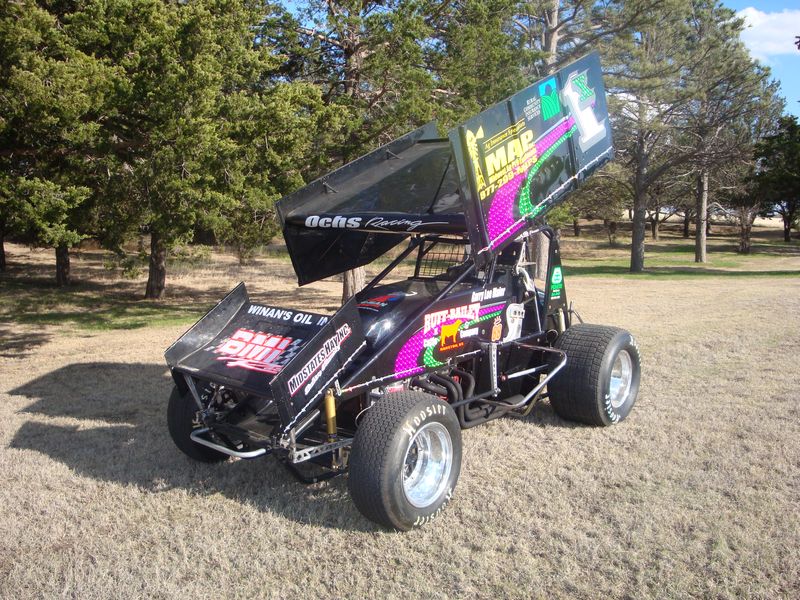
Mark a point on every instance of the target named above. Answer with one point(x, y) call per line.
point(695, 494)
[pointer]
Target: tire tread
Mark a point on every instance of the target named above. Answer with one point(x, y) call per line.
point(574, 393)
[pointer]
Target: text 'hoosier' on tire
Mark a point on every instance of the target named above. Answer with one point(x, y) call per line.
point(600, 381)
point(181, 412)
point(405, 460)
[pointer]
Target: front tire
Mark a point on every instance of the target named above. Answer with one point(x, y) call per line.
point(181, 412)
point(405, 460)
point(600, 381)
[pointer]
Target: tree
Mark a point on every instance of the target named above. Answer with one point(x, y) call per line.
point(604, 196)
point(726, 87)
point(647, 81)
point(52, 93)
point(272, 135)
point(676, 86)
point(778, 171)
point(39, 211)
point(186, 136)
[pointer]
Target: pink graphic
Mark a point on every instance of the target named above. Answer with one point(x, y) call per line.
point(253, 350)
point(502, 223)
point(407, 361)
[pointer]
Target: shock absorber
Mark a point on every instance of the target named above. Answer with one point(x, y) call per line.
point(330, 415)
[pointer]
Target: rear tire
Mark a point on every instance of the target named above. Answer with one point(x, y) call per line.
point(405, 460)
point(600, 381)
point(181, 412)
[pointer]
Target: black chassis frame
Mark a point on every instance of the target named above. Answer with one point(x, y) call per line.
point(491, 379)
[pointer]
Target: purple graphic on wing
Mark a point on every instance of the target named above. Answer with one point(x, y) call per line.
point(502, 222)
point(501, 211)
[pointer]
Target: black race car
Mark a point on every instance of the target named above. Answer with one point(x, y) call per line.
point(382, 388)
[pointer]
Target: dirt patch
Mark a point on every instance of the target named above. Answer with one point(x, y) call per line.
point(695, 494)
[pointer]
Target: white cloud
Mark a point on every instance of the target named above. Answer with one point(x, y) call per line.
point(770, 33)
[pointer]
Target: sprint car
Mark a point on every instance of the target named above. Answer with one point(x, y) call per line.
point(459, 328)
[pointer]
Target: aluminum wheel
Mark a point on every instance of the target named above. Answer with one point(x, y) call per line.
point(619, 386)
point(427, 464)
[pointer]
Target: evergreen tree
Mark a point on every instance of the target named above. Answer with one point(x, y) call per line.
point(196, 133)
point(52, 97)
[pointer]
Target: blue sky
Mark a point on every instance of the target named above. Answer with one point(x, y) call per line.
point(770, 36)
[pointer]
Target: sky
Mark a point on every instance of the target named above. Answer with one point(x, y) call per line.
point(770, 30)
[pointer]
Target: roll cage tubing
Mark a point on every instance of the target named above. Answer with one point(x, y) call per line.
point(417, 243)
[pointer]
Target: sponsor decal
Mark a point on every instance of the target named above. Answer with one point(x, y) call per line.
point(282, 314)
point(467, 312)
point(581, 100)
point(334, 222)
point(257, 351)
point(482, 295)
point(398, 224)
point(497, 329)
point(475, 157)
point(378, 303)
point(548, 91)
point(425, 349)
point(311, 371)
point(449, 336)
point(384, 223)
point(556, 283)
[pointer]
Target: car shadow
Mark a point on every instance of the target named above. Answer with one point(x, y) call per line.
point(122, 438)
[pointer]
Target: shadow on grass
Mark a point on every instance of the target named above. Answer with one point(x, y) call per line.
point(123, 439)
point(14, 344)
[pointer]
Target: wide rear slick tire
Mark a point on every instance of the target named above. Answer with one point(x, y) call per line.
point(181, 412)
point(405, 460)
point(600, 381)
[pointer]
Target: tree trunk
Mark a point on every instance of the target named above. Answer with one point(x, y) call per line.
point(576, 227)
point(62, 265)
point(157, 270)
point(552, 34)
point(654, 227)
point(745, 228)
point(352, 283)
point(611, 231)
point(2, 252)
point(701, 218)
point(787, 228)
point(637, 240)
point(686, 222)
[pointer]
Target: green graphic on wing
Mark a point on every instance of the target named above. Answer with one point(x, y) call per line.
point(550, 105)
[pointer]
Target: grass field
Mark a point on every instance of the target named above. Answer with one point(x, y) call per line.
point(696, 494)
